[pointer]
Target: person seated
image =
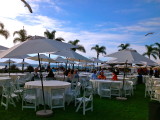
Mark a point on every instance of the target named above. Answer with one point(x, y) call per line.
point(50, 74)
point(36, 72)
point(156, 73)
point(67, 71)
point(94, 75)
point(101, 76)
point(48, 68)
point(53, 69)
point(75, 74)
point(114, 76)
point(70, 75)
point(5, 69)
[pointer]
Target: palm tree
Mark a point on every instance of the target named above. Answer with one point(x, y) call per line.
point(99, 50)
point(50, 35)
point(151, 51)
point(80, 47)
point(3, 32)
point(60, 39)
point(158, 49)
point(123, 46)
point(22, 36)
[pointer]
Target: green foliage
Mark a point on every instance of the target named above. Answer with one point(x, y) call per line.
point(3, 32)
point(151, 51)
point(80, 47)
point(14, 68)
point(22, 36)
point(99, 49)
point(29, 68)
point(124, 46)
point(50, 35)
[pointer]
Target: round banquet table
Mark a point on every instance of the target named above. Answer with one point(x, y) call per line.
point(12, 75)
point(48, 85)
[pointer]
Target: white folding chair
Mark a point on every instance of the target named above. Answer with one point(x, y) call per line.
point(7, 97)
point(128, 88)
point(116, 88)
point(74, 82)
point(148, 87)
point(72, 94)
point(134, 80)
point(104, 89)
point(29, 98)
point(16, 89)
point(57, 98)
point(155, 94)
point(86, 101)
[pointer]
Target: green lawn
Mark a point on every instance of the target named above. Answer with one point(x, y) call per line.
point(135, 108)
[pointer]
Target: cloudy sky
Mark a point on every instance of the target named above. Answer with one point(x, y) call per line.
point(103, 22)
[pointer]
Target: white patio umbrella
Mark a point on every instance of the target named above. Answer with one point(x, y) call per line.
point(42, 58)
point(129, 56)
point(95, 60)
point(73, 56)
point(3, 48)
point(62, 60)
point(38, 45)
point(17, 57)
point(132, 56)
point(9, 62)
point(23, 63)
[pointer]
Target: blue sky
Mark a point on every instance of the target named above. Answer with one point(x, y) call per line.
point(103, 22)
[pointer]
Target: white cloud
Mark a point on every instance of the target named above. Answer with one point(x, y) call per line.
point(146, 25)
point(12, 8)
point(153, 22)
point(49, 4)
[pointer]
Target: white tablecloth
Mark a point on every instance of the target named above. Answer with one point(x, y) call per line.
point(97, 81)
point(119, 78)
point(3, 80)
point(12, 75)
point(48, 85)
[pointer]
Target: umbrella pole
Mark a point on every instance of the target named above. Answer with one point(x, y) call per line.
point(22, 66)
point(124, 75)
point(49, 57)
point(9, 68)
point(41, 77)
point(43, 113)
point(123, 98)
